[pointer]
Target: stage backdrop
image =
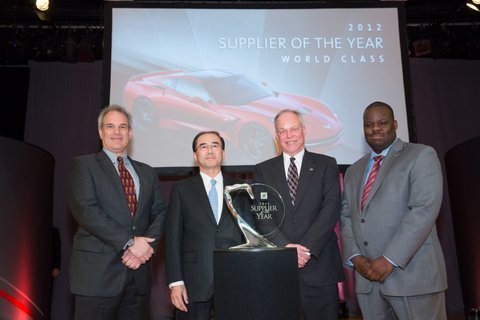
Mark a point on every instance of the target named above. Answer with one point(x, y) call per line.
point(65, 99)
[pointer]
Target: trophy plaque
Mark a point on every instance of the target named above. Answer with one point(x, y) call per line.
point(259, 211)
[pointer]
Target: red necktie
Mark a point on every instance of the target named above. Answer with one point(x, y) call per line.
point(128, 186)
point(371, 179)
point(292, 179)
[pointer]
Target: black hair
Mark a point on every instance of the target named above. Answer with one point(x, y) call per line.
point(194, 143)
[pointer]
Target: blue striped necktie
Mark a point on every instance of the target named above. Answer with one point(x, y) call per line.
point(213, 198)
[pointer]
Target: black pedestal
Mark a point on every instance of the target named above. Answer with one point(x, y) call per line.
point(256, 284)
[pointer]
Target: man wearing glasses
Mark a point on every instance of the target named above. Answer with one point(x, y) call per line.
point(198, 222)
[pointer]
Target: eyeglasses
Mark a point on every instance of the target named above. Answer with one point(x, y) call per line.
point(204, 146)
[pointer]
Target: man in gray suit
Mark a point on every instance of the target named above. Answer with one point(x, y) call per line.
point(198, 222)
point(388, 233)
point(116, 237)
point(311, 214)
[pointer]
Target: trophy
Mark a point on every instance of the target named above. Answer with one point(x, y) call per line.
point(258, 210)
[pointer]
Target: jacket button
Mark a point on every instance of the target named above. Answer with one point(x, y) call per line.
point(134, 228)
point(365, 243)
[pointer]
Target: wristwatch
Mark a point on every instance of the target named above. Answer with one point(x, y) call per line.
point(130, 243)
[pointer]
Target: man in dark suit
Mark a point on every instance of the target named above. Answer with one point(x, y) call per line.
point(194, 231)
point(388, 233)
point(311, 213)
point(116, 236)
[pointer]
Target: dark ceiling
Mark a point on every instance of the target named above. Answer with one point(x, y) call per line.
point(435, 28)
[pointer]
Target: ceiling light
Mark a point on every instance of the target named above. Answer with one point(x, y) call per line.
point(476, 1)
point(42, 5)
point(472, 6)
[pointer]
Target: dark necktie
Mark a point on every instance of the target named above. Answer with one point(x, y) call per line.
point(128, 186)
point(292, 179)
point(371, 179)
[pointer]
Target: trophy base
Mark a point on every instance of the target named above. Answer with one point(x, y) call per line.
point(254, 246)
point(254, 240)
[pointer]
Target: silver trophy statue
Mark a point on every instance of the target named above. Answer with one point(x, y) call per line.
point(253, 237)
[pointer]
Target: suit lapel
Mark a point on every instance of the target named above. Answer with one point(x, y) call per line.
point(113, 179)
point(110, 172)
point(281, 180)
point(385, 166)
point(141, 177)
point(199, 189)
point(359, 176)
point(306, 173)
point(225, 211)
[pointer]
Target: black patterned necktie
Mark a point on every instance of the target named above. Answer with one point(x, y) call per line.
point(292, 180)
point(128, 186)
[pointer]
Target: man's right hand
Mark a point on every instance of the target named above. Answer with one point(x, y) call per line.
point(303, 254)
point(142, 248)
point(179, 297)
point(362, 264)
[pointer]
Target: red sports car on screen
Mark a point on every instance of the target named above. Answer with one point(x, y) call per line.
point(239, 107)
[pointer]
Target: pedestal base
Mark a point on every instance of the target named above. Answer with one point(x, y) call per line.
point(256, 284)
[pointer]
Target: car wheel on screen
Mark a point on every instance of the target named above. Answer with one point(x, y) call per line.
point(256, 142)
point(144, 114)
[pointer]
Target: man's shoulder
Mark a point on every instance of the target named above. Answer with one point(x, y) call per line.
point(415, 149)
point(269, 162)
point(416, 146)
point(360, 163)
point(318, 156)
point(231, 180)
point(140, 164)
point(85, 158)
point(188, 180)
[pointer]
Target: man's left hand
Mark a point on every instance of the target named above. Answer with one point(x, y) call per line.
point(380, 269)
point(129, 260)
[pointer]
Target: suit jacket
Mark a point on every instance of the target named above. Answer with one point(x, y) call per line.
point(192, 235)
point(398, 219)
point(312, 220)
point(97, 202)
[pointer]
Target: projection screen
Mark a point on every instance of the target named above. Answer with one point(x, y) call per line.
point(187, 68)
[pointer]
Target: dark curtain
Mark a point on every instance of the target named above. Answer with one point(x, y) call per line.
point(63, 105)
point(64, 100)
point(447, 113)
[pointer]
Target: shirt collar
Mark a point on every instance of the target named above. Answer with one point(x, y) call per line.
point(298, 156)
point(113, 156)
point(206, 179)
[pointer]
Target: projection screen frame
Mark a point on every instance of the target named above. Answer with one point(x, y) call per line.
point(188, 170)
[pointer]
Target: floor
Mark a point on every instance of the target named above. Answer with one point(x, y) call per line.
point(449, 318)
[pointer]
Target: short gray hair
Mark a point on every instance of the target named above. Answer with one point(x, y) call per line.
point(114, 107)
point(295, 112)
